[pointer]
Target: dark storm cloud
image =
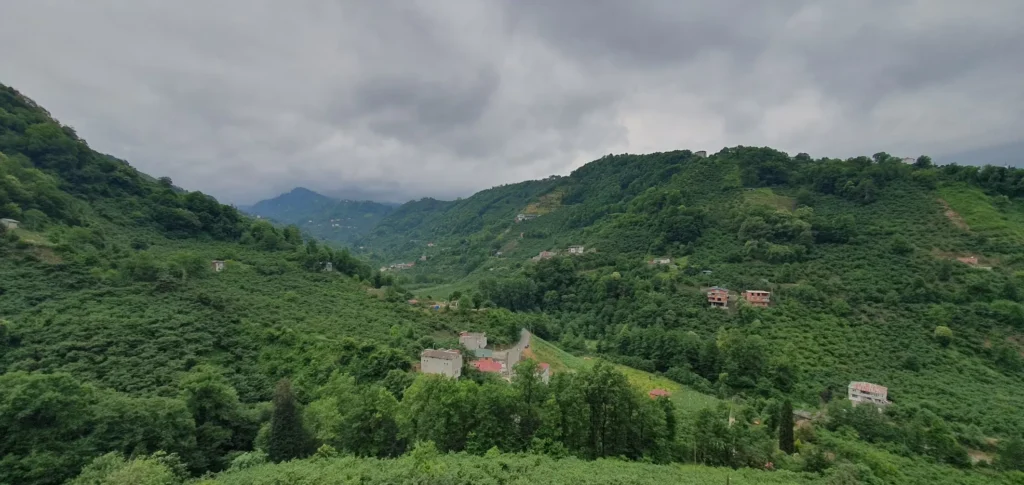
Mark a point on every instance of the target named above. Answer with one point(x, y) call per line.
point(396, 99)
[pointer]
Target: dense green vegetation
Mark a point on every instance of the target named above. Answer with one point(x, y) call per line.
point(125, 358)
point(322, 217)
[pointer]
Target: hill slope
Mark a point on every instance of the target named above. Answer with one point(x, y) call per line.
point(324, 217)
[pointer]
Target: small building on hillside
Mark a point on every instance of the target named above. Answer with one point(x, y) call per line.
point(413, 302)
point(718, 297)
point(447, 362)
point(9, 223)
point(489, 365)
point(701, 153)
point(544, 255)
point(525, 217)
point(656, 393)
point(576, 249)
point(328, 266)
point(758, 298)
point(866, 392)
point(544, 372)
point(509, 357)
point(402, 266)
point(706, 272)
point(660, 261)
point(423, 258)
point(909, 160)
point(217, 265)
point(430, 244)
point(473, 340)
point(971, 260)
point(453, 304)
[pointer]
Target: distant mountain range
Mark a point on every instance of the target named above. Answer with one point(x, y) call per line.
point(322, 216)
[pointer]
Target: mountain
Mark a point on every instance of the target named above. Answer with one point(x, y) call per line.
point(321, 216)
point(150, 334)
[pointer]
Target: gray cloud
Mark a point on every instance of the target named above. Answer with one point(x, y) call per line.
point(398, 99)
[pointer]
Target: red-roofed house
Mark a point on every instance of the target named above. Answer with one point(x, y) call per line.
point(718, 297)
point(758, 298)
point(544, 372)
point(656, 393)
point(488, 365)
point(861, 392)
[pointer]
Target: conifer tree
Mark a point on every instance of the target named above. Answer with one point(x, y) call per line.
point(288, 438)
point(786, 427)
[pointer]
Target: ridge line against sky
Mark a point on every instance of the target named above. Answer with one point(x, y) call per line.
point(395, 100)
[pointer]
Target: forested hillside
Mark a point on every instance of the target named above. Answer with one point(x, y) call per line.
point(128, 354)
point(323, 217)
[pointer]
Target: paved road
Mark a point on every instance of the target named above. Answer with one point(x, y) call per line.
point(524, 340)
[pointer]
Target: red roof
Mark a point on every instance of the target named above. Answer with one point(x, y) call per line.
point(487, 365)
point(870, 388)
point(544, 366)
point(658, 393)
point(413, 302)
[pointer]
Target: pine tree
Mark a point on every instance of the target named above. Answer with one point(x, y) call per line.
point(786, 427)
point(288, 438)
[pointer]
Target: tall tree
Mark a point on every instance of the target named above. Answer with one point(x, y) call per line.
point(288, 439)
point(786, 427)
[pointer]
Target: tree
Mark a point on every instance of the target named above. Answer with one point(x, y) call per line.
point(1011, 454)
point(288, 439)
point(786, 427)
point(943, 335)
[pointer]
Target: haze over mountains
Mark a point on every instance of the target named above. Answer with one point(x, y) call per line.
point(325, 217)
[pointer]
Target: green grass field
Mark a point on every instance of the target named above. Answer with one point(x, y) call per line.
point(684, 398)
point(769, 198)
point(982, 217)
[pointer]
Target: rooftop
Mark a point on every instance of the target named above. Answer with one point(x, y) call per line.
point(869, 388)
point(446, 354)
point(487, 365)
point(659, 393)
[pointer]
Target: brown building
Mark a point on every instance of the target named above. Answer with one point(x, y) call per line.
point(718, 297)
point(758, 298)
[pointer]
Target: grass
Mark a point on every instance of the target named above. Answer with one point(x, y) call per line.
point(684, 398)
point(982, 216)
point(769, 198)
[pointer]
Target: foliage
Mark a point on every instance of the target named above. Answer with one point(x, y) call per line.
point(287, 439)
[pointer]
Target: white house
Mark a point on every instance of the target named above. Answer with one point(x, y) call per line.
point(866, 392)
point(217, 265)
point(473, 340)
point(576, 249)
point(544, 372)
point(701, 154)
point(328, 266)
point(909, 160)
point(661, 261)
point(447, 362)
point(9, 223)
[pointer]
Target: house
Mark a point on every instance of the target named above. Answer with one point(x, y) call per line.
point(544, 255)
point(525, 217)
point(423, 258)
point(575, 249)
point(706, 272)
point(217, 265)
point(758, 298)
point(9, 223)
point(971, 260)
point(401, 266)
point(544, 372)
point(718, 297)
point(453, 304)
point(328, 266)
point(866, 392)
point(656, 393)
point(430, 244)
point(701, 154)
point(508, 357)
point(660, 261)
point(473, 340)
point(489, 365)
point(497, 253)
point(413, 302)
point(447, 362)
point(909, 160)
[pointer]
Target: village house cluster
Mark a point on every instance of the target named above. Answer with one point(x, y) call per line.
point(501, 362)
point(398, 266)
point(575, 249)
point(718, 297)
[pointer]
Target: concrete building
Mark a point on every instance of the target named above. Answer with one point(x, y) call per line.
point(544, 372)
point(447, 362)
point(217, 265)
point(909, 160)
point(661, 261)
point(328, 266)
point(525, 217)
point(576, 249)
point(9, 223)
point(473, 340)
point(866, 392)
point(509, 357)
point(718, 297)
point(758, 298)
point(701, 154)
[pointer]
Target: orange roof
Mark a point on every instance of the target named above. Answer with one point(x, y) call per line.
point(870, 388)
point(658, 393)
point(487, 365)
point(544, 365)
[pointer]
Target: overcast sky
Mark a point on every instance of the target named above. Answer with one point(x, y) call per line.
point(403, 99)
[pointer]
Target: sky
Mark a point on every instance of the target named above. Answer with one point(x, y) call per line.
point(395, 100)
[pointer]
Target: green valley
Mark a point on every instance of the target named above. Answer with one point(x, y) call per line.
point(150, 334)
